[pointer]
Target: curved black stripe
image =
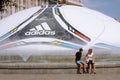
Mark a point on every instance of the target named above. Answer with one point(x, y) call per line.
point(5, 35)
point(60, 15)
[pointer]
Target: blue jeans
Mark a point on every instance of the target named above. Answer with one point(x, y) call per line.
point(79, 62)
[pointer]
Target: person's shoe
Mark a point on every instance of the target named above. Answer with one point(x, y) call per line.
point(84, 72)
point(94, 72)
point(79, 73)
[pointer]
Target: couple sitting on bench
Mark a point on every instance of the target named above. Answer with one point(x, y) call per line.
point(88, 66)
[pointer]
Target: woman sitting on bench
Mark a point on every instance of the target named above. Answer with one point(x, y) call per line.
point(90, 61)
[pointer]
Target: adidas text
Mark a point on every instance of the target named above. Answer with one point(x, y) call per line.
point(42, 32)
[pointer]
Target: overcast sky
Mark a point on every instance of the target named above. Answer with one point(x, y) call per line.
point(108, 7)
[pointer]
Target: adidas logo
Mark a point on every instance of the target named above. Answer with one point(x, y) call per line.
point(42, 29)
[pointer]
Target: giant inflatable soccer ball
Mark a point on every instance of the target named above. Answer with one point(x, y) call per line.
point(57, 30)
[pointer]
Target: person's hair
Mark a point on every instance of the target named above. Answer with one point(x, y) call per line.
point(90, 51)
point(80, 49)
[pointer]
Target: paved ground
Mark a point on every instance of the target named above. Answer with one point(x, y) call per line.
point(103, 76)
point(59, 74)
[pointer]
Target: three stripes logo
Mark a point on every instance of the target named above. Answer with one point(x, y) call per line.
point(42, 29)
